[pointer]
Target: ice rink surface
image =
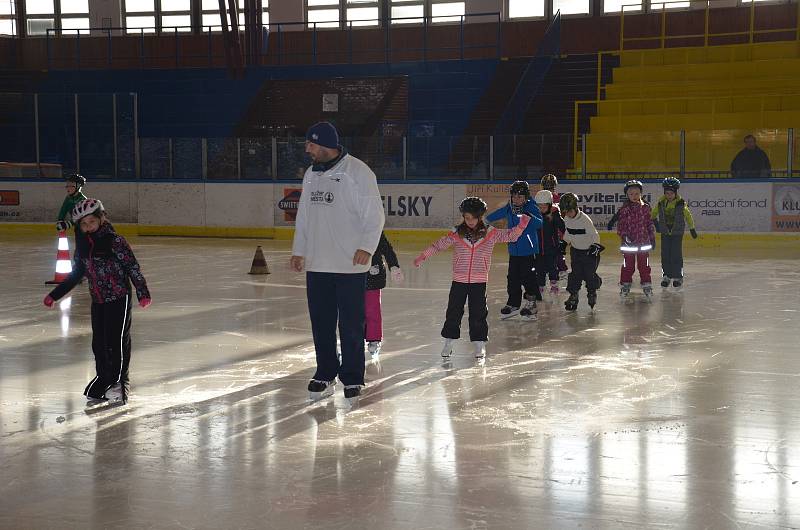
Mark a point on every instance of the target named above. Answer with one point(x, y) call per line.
point(683, 413)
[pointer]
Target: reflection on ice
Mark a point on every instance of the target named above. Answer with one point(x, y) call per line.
point(681, 413)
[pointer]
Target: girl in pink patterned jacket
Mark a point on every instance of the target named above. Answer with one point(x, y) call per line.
point(473, 242)
point(638, 237)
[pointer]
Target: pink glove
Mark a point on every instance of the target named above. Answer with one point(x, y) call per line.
point(48, 301)
point(418, 261)
point(397, 275)
point(145, 302)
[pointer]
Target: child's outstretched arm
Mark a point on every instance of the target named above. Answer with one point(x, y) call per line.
point(511, 235)
point(440, 244)
point(67, 285)
point(124, 254)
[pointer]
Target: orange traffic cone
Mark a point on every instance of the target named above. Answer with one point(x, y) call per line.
point(259, 265)
point(63, 263)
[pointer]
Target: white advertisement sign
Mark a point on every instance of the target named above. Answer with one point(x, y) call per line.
point(716, 207)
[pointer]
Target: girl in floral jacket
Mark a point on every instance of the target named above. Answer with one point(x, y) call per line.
point(107, 260)
point(472, 242)
point(638, 237)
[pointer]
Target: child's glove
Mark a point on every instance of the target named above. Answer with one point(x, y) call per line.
point(48, 301)
point(562, 247)
point(397, 275)
point(61, 226)
point(145, 302)
point(418, 261)
point(596, 249)
point(693, 232)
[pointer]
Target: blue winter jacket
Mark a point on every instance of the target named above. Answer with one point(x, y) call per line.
point(528, 242)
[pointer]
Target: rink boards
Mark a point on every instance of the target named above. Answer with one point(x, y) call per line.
point(261, 209)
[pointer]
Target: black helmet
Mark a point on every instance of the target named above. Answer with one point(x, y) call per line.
point(549, 182)
point(79, 180)
point(671, 183)
point(520, 187)
point(567, 202)
point(473, 205)
point(631, 184)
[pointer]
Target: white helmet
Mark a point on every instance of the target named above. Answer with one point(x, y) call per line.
point(544, 197)
point(86, 207)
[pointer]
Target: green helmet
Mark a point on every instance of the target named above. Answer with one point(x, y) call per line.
point(567, 202)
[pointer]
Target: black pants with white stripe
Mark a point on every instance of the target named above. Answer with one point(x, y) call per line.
point(111, 344)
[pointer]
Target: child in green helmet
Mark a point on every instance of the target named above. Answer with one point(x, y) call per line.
point(671, 217)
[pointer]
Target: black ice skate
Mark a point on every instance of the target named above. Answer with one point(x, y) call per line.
point(508, 312)
point(677, 283)
point(529, 310)
point(592, 299)
point(665, 282)
point(320, 389)
point(572, 302)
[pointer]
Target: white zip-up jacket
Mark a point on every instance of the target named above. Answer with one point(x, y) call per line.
point(580, 233)
point(340, 211)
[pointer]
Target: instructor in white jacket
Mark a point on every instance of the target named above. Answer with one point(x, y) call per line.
point(337, 229)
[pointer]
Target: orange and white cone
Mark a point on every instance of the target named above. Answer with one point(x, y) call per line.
point(63, 262)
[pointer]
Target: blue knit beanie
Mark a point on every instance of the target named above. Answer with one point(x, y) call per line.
point(324, 134)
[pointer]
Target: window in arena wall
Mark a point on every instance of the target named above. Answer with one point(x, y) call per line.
point(323, 13)
point(8, 22)
point(407, 11)
point(67, 17)
point(362, 13)
point(175, 15)
point(615, 6)
point(446, 11)
point(140, 16)
point(572, 7)
point(526, 9)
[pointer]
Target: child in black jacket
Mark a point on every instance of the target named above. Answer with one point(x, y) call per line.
point(108, 262)
point(376, 280)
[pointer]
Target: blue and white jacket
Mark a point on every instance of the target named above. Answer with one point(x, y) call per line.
point(528, 242)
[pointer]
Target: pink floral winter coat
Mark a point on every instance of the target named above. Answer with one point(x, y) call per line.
point(635, 225)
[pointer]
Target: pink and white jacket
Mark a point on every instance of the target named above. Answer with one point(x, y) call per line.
point(472, 261)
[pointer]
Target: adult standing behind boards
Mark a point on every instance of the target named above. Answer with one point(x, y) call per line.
point(338, 226)
point(751, 162)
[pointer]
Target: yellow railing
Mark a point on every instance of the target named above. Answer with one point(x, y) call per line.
point(666, 10)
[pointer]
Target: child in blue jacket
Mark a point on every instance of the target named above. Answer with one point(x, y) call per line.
point(522, 252)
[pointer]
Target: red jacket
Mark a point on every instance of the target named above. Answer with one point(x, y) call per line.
point(471, 262)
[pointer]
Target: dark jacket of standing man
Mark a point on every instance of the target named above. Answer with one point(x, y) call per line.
point(751, 162)
point(338, 226)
